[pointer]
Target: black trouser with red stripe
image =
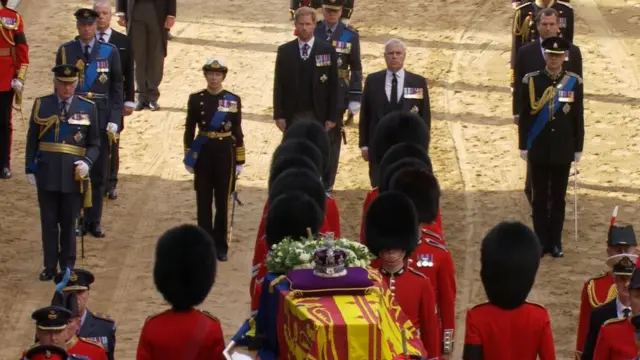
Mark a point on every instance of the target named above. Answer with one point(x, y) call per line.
point(6, 128)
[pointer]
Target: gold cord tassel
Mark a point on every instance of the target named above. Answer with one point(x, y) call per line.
point(536, 106)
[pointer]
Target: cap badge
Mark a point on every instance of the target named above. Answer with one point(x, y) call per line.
point(555, 45)
point(626, 262)
point(215, 64)
point(52, 315)
point(67, 71)
point(73, 277)
point(86, 14)
point(47, 354)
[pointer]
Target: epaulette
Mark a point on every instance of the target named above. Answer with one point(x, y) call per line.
point(199, 92)
point(85, 99)
point(525, 79)
point(613, 321)
point(565, 4)
point(104, 317)
point(209, 315)
point(416, 272)
point(481, 305)
point(523, 5)
point(536, 304)
point(578, 77)
point(599, 276)
point(436, 244)
point(92, 342)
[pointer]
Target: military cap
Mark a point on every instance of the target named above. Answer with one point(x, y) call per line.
point(215, 64)
point(292, 214)
point(391, 222)
point(68, 301)
point(555, 45)
point(621, 235)
point(66, 72)
point(313, 132)
point(79, 280)
point(86, 16)
point(509, 259)
point(46, 352)
point(185, 268)
point(333, 4)
point(623, 264)
point(51, 318)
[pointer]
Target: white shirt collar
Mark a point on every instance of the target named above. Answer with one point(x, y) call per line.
point(69, 100)
point(107, 34)
point(399, 74)
point(620, 308)
point(83, 317)
point(310, 42)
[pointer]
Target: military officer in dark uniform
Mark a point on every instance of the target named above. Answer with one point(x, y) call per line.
point(216, 155)
point(346, 41)
point(551, 137)
point(62, 145)
point(51, 325)
point(94, 326)
point(101, 81)
point(524, 27)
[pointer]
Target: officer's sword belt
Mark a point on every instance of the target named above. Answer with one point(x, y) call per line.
point(70, 150)
point(91, 95)
point(214, 134)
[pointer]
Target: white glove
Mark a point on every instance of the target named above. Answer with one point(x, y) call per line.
point(83, 168)
point(17, 84)
point(239, 169)
point(524, 154)
point(112, 128)
point(577, 156)
point(238, 356)
point(189, 169)
point(31, 179)
point(354, 107)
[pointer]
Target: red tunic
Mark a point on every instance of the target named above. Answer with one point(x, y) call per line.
point(258, 265)
point(86, 347)
point(14, 51)
point(523, 333)
point(595, 292)
point(414, 293)
point(435, 228)
point(616, 341)
point(171, 335)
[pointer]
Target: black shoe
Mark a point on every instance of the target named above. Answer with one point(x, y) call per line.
point(140, 105)
point(222, 257)
point(5, 174)
point(556, 252)
point(95, 230)
point(112, 194)
point(47, 274)
point(154, 106)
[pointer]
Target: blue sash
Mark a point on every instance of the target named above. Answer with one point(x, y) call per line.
point(192, 155)
point(346, 35)
point(91, 73)
point(543, 116)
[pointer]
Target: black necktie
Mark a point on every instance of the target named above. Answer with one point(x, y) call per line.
point(329, 32)
point(102, 36)
point(394, 90)
point(86, 52)
point(63, 110)
point(305, 51)
point(626, 313)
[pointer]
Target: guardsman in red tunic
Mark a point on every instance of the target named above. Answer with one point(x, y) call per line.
point(601, 289)
point(392, 229)
point(46, 352)
point(184, 273)
point(617, 339)
point(508, 327)
point(302, 182)
point(14, 62)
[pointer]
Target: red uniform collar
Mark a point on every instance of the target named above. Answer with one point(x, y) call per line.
point(384, 272)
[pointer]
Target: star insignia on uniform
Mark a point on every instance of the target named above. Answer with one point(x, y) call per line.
point(323, 78)
point(414, 109)
point(566, 108)
point(77, 137)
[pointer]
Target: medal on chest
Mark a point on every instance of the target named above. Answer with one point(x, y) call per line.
point(102, 68)
point(425, 260)
point(566, 108)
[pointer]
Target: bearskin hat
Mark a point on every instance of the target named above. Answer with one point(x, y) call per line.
point(398, 127)
point(290, 215)
point(404, 151)
point(391, 223)
point(388, 170)
point(185, 267)
point(68, 301)
point(287, 162)
point(298, 147)
point(301, 180)
point(510, 257)
point(421, 186)
point(313, 132)
point(4, 2)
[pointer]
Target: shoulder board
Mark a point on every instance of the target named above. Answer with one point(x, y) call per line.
point(565, 4)
point(481, 305)
point(536, 304)
point(198, 92)
point(92, 342)
point(350, 28)
point(416, 272)
point(523, 5)
point(104, 317)
point(599, 276)
point(614, 321)
point(436, 244)
point(209, 315)
point(233, 94)
point(525, 79)
point(578, 77)
point(87, 100)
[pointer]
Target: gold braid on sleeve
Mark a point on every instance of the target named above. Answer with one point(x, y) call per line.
point(22, 73)
point(548, 95)
point(240, 154)
point(45, 123)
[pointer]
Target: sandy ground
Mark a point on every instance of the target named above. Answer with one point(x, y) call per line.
point(461, 47)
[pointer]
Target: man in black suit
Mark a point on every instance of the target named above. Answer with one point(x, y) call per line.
point(531, 58)
point(147, 23)
point(385, 91)
point(121, 42)
point(620, 307)
point(306, 77)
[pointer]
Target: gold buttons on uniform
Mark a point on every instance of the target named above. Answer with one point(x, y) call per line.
point(201, 112)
